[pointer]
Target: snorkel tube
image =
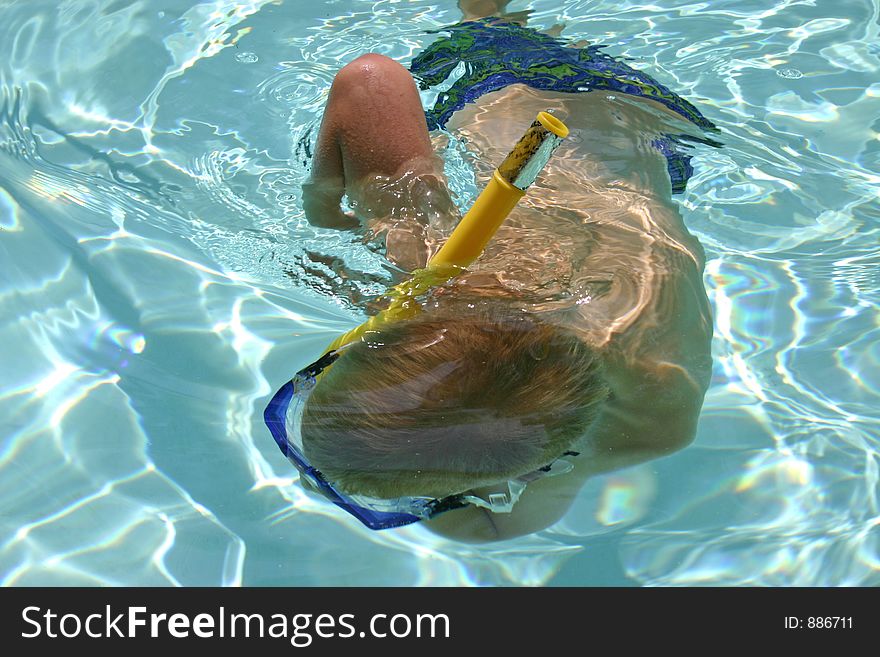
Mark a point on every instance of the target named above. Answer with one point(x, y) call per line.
point(507, 186)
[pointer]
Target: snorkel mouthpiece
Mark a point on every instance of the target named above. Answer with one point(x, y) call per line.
point(507, 186)
point(532, 152)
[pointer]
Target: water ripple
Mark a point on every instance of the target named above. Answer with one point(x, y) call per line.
point(160, 279)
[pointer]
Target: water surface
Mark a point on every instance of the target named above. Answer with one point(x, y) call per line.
point(158, 281)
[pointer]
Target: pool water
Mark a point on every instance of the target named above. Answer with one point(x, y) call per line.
point(158, 281)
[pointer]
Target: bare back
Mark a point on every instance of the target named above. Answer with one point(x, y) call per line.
point(598, 246)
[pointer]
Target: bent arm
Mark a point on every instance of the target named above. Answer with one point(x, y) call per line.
point(323, 191)
point(373, 125)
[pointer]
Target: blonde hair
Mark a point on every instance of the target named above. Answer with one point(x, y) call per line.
point(439, 405)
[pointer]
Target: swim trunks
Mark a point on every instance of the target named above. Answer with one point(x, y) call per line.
point(497, 54)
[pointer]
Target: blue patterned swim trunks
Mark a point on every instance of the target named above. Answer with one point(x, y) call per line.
point(497, 54)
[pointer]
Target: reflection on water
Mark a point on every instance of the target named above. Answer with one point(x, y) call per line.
point(159, 281)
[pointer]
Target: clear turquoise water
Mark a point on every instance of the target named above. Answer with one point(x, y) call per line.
point(158, 281)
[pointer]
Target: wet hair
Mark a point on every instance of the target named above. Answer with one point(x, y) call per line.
point(438, 405)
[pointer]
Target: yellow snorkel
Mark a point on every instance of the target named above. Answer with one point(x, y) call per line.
point(507, 186)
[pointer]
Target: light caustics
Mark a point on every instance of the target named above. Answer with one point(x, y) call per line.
point(158, 273)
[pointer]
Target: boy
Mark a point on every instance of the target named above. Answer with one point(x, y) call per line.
point(582, 332)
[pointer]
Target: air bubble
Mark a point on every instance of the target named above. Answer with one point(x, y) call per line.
point(789, 73)
point(246, 57)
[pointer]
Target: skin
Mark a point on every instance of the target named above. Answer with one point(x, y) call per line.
point(653, 333)
point(474, 9)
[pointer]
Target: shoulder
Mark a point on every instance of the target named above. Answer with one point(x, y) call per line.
point(653, 408)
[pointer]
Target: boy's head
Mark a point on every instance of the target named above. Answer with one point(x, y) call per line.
point(438, 405)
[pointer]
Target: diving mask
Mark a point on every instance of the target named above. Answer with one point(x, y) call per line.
point(283, 416)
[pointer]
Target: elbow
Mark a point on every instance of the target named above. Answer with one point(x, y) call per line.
point(313, 203)
point(322, 208)
point(674, 429)
point(316, 213)
point(678, 436)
